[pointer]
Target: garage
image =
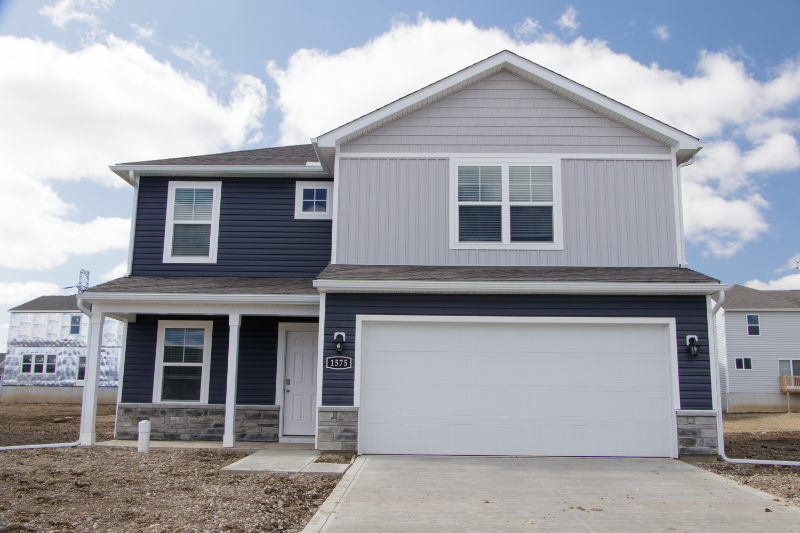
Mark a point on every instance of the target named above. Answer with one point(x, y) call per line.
point(516, 386)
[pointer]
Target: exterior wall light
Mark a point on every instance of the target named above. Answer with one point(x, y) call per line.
point(338, 341)
point(694, 344)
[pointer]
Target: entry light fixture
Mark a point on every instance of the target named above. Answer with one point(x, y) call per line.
point(694, 344)
point(338, 341)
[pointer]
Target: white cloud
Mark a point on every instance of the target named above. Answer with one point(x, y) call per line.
point(76, 113)
point(66, 11)
point(786, 283)
point(144, 32)
point(116, 272)
point(719, 101)
point(199, 56)
point(793, 262)
point(567, 20)
point(661, 32)
point(15, 293)
point(527, 28)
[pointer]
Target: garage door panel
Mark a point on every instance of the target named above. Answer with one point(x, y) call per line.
point(515, 389)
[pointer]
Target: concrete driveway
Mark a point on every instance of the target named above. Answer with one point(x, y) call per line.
point(441, 494)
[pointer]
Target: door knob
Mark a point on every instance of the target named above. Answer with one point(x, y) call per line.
point(287, 390)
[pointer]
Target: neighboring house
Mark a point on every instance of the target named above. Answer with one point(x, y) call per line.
point(492, 265)
point(759, 342)
point(47, 353)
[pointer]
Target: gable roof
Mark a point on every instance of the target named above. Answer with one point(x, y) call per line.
point(299, 154)
point(49, 303)
point(685, 144)
point(745, 298)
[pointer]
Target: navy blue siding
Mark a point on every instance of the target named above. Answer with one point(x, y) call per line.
point(689, 313)
point(258, 234)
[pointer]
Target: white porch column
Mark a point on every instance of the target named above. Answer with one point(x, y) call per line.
point(92, 377)
point(230, 390)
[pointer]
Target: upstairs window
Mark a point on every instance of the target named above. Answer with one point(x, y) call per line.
point(192, 225)
point(753, 325)
point(75, 325)
point(313, 200)
point(507, 206)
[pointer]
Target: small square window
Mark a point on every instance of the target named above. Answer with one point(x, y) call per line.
point(744, 363)
point(313, 200)
point(75, 325)
point(753, 325)
point(26, 363)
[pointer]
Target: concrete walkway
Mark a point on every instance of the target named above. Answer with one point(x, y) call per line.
point(441, 494)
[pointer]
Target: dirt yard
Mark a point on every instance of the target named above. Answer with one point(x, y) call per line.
point(47, 423)
point(101, 489)
point(770, 436)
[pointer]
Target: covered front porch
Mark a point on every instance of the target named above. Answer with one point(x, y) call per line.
point(209, 359)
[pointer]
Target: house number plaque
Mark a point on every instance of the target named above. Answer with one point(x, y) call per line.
point(339, 363)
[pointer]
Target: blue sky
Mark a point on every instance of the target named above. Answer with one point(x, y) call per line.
point(87, 83)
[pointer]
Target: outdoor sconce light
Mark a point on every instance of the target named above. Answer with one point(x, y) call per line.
point(694, 344)
point(338, 341)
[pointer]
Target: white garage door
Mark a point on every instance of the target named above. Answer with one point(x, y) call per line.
point(515, 389)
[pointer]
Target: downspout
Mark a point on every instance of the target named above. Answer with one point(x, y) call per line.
point(684, 264)
point(720, 429)
point(133, 180)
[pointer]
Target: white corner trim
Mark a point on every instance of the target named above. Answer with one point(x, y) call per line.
point(134, 211)
point(335, 228)
point(216, 186)
point(506, 244)
point(320, 362)
point(513, 287)
point(298, 200)
point(207, 325)
point(280, 373)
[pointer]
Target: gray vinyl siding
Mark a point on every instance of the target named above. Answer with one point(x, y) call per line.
point(779, 339)
point(505, 113)
point(616, 213)
point(690, 313)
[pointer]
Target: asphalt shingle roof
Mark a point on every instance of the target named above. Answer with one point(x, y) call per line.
point(49, 303)
point(283, 155)
point(479, 273)
point(207, 285)
point(739, 297)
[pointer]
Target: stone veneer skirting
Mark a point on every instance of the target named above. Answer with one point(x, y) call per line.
point(193, 422)
point(697, 433)
point(338, 429)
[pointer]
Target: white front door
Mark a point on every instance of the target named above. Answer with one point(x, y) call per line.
point(300, 383)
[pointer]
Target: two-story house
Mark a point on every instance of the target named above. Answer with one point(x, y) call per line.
point(492, 265)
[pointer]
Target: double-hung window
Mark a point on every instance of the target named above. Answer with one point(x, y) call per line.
point(753, 325)
point(506, 205)
point(75, 325)
point(192, 225)
point(313, 200)
point(183, 357)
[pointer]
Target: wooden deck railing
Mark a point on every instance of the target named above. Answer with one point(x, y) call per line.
point(790, 383)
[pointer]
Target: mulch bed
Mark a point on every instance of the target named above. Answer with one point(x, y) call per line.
point(117, 489)
point(334, 458)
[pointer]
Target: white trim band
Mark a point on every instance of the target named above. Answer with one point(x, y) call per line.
point(151, 297)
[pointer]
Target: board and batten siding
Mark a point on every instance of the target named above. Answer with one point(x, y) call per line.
point(615, 212)
point(690, 313)
point(258, 234)
point(779, 339)
point(258, 352)
point(504, 113)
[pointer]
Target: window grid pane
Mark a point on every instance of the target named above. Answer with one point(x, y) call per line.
point(81, 368)
point(480, 223)
point(795, 367)
point(181, 383)
point(193, 204)
point(530, 184)
point(26, 363)
point(531, 223)
point(191, 240)
point(753, 330)
point(480, 184)
point(315, 200)
point(183, 345)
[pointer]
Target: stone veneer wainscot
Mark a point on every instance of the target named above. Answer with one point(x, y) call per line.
point(338, 429)
point(193, 422)
point(697, 433)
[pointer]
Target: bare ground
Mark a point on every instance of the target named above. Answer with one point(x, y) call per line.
point(35, 423)
point(768, 436)
point(175, 490)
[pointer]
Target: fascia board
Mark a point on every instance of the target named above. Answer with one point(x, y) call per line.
point(44, 311)
point(232, 299)
point(546, 78)
point(218, 170)
point(770, 310)
point(513, 287)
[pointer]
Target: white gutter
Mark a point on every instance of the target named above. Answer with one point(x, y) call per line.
point(83, 309)
point(684, 264)
point(133, 180)
point(286, 299)
point(720, 429)
point(322, 161)
point(512, 287)
point(216, 170)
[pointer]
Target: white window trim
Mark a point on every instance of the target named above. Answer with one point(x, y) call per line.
point(159, 372)
point(44, 371)
point(747, 324)
point(506, 244)
point(298, 200)
point(743, 369)
point(169, 223)
point(779, 363)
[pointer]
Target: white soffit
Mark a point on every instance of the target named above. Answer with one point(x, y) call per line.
point(528, 71)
